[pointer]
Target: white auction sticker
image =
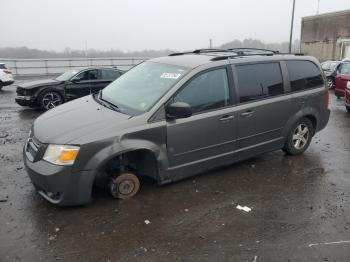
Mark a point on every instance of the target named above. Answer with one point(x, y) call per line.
point(170, 75)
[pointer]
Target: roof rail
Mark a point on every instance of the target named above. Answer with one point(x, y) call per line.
point(249, 49)
point(204, 50)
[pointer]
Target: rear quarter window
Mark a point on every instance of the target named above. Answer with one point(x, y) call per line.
point(304, 75)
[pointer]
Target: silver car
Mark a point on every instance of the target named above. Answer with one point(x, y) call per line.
point(173, 117)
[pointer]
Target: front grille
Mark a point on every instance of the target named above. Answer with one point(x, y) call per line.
point(34, 149)
point(21, 91)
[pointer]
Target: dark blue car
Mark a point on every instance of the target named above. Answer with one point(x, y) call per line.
point(330, 70)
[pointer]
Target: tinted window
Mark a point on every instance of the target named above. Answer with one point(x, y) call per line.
point(88, 75)
point(259, 81)
point(207, 91)
point(345, 69)
point(304, 75)
point(110, 74)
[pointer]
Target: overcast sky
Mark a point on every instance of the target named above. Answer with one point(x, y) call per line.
point(131, 25)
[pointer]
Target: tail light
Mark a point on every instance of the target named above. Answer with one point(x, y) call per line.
point(7, 71)
point(327, 98)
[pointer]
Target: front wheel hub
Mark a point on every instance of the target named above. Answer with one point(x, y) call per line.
point(124, 186)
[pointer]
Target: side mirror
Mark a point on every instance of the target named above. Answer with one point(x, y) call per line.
point(178, 110)
point(75, 80)
point(348, 85)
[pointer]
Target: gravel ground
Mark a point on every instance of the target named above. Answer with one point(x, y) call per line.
point(299, 207)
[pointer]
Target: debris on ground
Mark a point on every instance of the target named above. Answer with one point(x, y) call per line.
point(147, 222)
point(245, 208)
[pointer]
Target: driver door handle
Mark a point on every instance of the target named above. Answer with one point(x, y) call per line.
point(226, 118)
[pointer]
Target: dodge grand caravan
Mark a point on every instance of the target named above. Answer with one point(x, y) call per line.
point(173, 117)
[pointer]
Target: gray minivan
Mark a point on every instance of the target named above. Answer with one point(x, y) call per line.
point(173, 117)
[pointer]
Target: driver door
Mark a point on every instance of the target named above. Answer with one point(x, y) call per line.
point(80, 85)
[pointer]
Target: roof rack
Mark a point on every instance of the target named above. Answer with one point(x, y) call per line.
point(236, 52)
point(249, 49)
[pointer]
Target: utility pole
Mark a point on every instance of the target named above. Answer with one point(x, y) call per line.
point(291, 29)
point(210, 43)
point(318, 6)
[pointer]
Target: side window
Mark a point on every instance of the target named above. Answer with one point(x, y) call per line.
point(88, 75)
point(258, 81)
point(303, 75)
point(110, 74)
point(207, 91)
point(344, 69)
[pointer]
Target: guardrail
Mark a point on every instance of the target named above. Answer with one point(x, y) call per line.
point(32, 67)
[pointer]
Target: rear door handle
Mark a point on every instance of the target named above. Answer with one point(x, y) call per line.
point(247, 114)
point(226, 118)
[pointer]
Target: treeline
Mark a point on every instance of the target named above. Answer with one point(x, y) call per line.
point(25, 52)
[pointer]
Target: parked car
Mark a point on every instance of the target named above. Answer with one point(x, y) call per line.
point(347, 96)
point(49, 93)
point(330, 69)
point(6, 77)
point(173, 117)
point(343, 76)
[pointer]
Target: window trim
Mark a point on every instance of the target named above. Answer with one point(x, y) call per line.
point(231, 101)
point(284, 80)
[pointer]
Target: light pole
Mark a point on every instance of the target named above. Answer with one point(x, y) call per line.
point(291, 29)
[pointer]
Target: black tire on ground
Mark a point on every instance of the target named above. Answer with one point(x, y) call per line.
point(347, 108)
point(49, 99)
point(299, 137)
point(1, 85)
point(124, 186)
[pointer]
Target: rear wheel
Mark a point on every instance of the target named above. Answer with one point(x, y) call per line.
point(347, 108)
point(50, 99)
point(124, 186)
point(299, 137)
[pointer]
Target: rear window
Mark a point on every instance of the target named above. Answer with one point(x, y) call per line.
point(2, 66)
point(259, 81)
point(303, 75)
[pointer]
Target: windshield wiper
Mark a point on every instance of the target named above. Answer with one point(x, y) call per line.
point(107, 103)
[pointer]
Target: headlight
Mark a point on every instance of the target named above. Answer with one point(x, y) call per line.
point(348, 85)
point(63, 155)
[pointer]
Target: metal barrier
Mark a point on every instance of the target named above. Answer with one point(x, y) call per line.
point(32, 67)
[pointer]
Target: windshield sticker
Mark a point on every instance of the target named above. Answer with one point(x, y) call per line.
point(170, 75)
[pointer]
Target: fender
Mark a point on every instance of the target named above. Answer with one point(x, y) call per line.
point(306, 111)
point(121, 146)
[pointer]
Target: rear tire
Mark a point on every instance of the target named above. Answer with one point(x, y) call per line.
point(50, 99)
point(348, 108)
point(124, 186)
point(299, 137)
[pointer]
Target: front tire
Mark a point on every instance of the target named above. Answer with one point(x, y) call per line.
point(49, 100)
point(299, 137)
point(330, 82)
point(124, 186)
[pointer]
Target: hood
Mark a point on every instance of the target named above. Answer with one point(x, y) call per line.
point(73, 120)
point(38, 83)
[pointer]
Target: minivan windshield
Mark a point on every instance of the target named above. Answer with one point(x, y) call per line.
point(67, 75)
point(141, 87)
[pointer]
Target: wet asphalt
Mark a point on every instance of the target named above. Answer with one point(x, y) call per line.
point(299, 207)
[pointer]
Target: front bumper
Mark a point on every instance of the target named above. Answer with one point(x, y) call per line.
point(339, 93)
point(7, 82)
point(59, 184)
point(25, 100)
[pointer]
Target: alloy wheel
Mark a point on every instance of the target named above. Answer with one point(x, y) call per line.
point(301, 136)
point(51, 100)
